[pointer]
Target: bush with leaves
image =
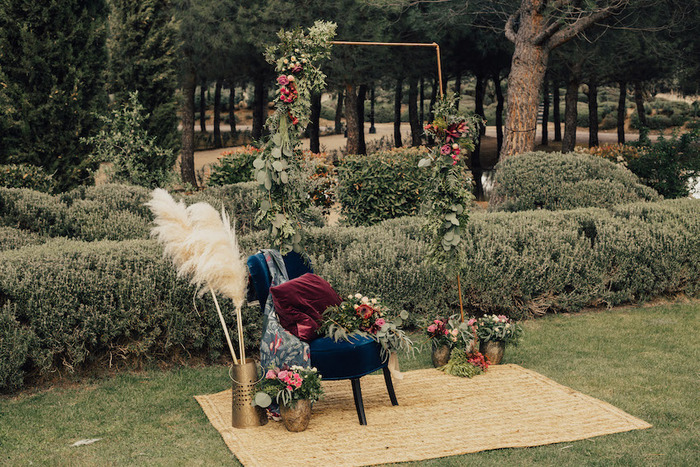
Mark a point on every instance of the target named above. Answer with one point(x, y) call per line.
point(234, 166)
point(135, 156)
point(11, 238)
point(668, 164)
point(382, 185)
point(15, 342)
point(542, 180)
point(26, 176)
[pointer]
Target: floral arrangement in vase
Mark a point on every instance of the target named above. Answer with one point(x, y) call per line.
point(360, 315)
point(446, 334)
point(465, 363)
point(288, 385)
point(296, 58)
point(497, 328)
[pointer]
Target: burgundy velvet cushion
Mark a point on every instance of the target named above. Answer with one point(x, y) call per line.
point(300, 304)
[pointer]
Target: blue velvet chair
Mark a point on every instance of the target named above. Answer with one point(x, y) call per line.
point(334, 360)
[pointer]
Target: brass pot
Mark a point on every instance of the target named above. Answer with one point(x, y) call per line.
point(493, 350)
point(244, 414)
point(296, 418)
point(441, 355)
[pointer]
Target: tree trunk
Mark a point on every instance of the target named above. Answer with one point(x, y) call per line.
point(398, 97)
point(621, 113)
point(314, 127)
point(351, 119)
point(433, 99)
point(372, 128)
point(570, 115)
point(258, 107)
point(416, 130)
point(203, 107)
point(527, 71)
point(556, 111)
point(421, 97)
point(479, 94)
point(545, 113)
point(217, 114)
point(187, 155)
point(339, 113)
point(232, 110)
point(639, 101)
point(593, 114)
point(361, 95)
point(499, 111)
point(458, 88)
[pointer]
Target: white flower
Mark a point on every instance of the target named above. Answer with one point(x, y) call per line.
point(358, 296)
point(350, 297)
point(365, 300)
point(374, 301)
point(356, 306)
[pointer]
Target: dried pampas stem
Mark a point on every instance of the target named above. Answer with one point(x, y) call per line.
point(223, 325)
point(203, 246)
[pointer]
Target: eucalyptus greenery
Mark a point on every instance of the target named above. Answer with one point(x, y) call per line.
point(296, 59)
point(449, 194)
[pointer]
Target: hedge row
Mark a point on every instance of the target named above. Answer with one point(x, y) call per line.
point(117, 212)
point(69, 303)
point(542, 180)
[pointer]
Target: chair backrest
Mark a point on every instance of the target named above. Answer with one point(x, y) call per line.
point(260, 274)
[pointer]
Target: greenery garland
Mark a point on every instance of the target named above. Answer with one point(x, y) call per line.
point(277, 167)
point(449, 195)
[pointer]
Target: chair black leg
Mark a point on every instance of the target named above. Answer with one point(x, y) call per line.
point(390, 386)
point(357, 394)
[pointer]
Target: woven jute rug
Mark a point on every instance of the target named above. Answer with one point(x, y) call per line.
point(438, 415)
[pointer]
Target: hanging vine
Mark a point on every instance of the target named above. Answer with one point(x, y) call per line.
point(296, 59)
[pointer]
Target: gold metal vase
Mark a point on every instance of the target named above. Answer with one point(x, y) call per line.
point(296, 417)
point(244, 414)
point(493, 350)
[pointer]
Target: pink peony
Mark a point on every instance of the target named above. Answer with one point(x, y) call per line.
point(431, 328)
point(282, 79)
point(270, 374)
point(445, 150)
point(380, 322)
point(282, 374)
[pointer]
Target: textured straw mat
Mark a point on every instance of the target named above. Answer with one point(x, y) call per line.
point(437, 416)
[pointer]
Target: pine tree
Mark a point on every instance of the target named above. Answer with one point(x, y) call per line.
point(54, 57)
point(142, 58)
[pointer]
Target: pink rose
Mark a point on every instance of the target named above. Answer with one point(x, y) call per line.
point(282, 374)
point(270, 374)
point(380, 322)
point(445, 150)
point(282, 79)
point(446, 332)
point(290, 388)
point(296, 69)
point(471, 322)
point(431, 328)
point(502, 318)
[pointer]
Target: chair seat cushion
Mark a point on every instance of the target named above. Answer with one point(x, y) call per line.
point(300, 304)
point(345, 360)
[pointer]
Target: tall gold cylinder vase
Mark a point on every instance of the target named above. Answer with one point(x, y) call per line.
point(244, 414)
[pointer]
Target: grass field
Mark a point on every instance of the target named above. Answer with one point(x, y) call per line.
point(644, 360)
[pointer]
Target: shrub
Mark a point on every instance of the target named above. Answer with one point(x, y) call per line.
point(26, 176)
point(113, 196)
point(540, 180)
point(135, 156)
point(15, 341)
point(108, 301)
point(382, 185)
point(668, 164)
point(11, 238)
point(234, 166)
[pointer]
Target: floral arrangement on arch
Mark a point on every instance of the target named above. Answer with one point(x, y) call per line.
point(360, 315)
point(296, 59)
point(497, 328)
point(449, 195)
point(287, 385)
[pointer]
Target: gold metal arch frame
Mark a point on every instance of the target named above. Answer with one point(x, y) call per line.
point(403, 44)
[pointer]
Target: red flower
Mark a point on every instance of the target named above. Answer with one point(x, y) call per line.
point(365, 311)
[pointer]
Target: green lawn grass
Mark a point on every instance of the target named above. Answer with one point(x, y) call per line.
point(646, 361)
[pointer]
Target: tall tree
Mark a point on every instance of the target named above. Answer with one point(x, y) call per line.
point(54, 58)
point(142, 47)
point(536, 28)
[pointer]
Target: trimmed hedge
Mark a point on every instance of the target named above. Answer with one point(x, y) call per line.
point(106, 301)
point(72, 303)
point(117, 212)
point(542, 180)
point(26, 176)
point(11, 238)
point(382, 185)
